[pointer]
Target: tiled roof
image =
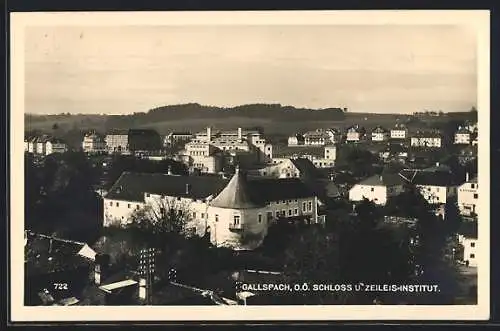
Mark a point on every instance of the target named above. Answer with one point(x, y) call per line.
point(306, 167)
point(132, 186)
point(382, 180)
point(117, 132)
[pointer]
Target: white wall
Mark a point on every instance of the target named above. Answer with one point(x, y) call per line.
point(119, 211)
point(468, 198)
point(462, 138)
point(426, 142)
point(379, 136)
point(435, 194)
point(398, 134)
point(470, 250)
point(353, 136)
point(377, 194)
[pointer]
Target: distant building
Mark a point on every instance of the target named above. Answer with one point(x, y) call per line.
point(177, 137)
point(203, 156)
point(377, 188)
point(427, 139)
point(463, 136)
point(235, 213)
point(54, 145)
point(380, 134)
point(320, 156)
point(399, 132)
point(117, 141)
point(93, 143)
point(468, 239)
point(296, 140)
point(468, 197)
point(354, 134)
point(44, 145)
point(317, 137)
point(335, 136)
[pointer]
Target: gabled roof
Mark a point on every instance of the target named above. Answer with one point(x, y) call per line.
point(287, 151)
point(382, 180)
point(305, 166)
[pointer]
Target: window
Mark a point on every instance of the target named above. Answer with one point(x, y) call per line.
point(475, 195)
point(128, 206)
point(289, 212)
point(283, 212)
point(216, 218)
point(260, 218)
point(278, 202)
point(194, 214)
point(111, 203)
point(147, 195)
point(269, 215)
point(296, 211)
point(303, 206)
point(118, 204)
point(137, 207)
point(472, 186)
point(309, 205)
point(472, 244)
point(162, 210)
point(372, 189)
point(472, 256)
point(236, 219)
point(202, 215)
point(289, 201)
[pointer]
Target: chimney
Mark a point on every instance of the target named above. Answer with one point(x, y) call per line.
point(467, 176)
point(188, 188)
point(437, 164)
point(169, 170)
point(239, 134)
point(209, 134)
point(101, 268)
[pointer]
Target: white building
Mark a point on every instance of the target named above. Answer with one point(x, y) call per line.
point(296, 140)
point(426, 139)
point(117, 141)
point(353, 134)
point(436, 186)
point(463, 136)
point(93, 144)
point(55, 146)
point(236, 213)
point(319, 137)
point(399, 132)
point(377, 188)
point(380, 134)
point(470, 249)
point(176, 137)
point(468, 197)
point(203, 156)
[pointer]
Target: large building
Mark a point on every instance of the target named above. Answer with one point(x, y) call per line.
point(177, 137)
point(427, 139)
point(468, 197)
point(320, 156)
point(354, 134)
point(133, 141)
point(93, 143)
point(463, 136)
point(117, 141)
point(235, 213)
point(44, 145)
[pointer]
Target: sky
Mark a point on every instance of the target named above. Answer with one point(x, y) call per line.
point(121, 70)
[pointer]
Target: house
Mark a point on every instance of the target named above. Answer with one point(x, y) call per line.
point(234, 213)
point(468, 197)
point(377, 188)
point(296, 140)
point(93, 143)
point(354, 134)
point(463, 136)
point(54, 145)
point(335, 136)
point(203, 156)
point(318, 137)
point(437, 185)
point(468, 239)
point(427, 139)
point(320, 156)
point(380, 134)
point(399, 132)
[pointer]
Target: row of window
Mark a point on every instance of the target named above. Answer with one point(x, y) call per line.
point(129, 205)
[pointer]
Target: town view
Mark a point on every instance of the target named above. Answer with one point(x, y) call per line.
point(215, 216)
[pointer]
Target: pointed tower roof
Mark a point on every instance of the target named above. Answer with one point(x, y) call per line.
point(236, 194)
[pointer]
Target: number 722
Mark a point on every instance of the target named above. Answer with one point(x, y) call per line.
point(60, 286)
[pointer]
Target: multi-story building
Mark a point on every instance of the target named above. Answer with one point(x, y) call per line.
point(427, 139)
point(320, 156)
point(296, 140)
point(377, 188)
point(203, 156)
point(468, 197)
point(380, 134)
point(44, 145)
point(235, 213)
point(93, 143)
point(463, 136)
point(54, 145)
point(177, 137)
point(399, 132)
point(317, 137)
point(117, 141)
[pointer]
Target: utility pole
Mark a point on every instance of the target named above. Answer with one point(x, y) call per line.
point(147, 263)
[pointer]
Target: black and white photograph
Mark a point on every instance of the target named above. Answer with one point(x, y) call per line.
point(284, 165)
